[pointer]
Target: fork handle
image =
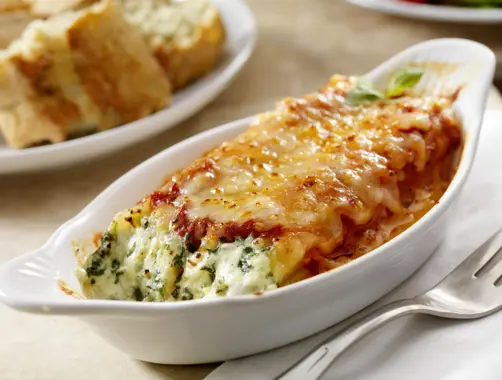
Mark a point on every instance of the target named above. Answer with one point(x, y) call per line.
point(314, 364)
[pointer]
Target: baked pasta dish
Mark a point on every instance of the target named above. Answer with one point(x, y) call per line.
point(317, 182)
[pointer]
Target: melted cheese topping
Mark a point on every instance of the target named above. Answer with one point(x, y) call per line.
point(313, 184)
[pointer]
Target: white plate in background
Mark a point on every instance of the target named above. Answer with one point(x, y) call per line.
point(433, 12)
point(241, 35)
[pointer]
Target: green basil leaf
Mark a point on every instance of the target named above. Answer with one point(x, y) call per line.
point(363, 92)
point(402, 80)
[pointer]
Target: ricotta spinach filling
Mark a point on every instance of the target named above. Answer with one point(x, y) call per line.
point(150, 263)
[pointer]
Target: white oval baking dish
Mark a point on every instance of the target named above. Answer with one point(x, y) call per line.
point(219, 329)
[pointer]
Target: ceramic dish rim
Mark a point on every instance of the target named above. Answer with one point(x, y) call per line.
point(97, 306)
point(433, 12)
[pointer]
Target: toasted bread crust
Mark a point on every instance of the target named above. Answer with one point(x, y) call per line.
point(115, 66)
point(184, 64)
point(92, 74)
point(52, 104)
point(47, 8)
point(14, 16)
point(32, 113)
point(14, 5)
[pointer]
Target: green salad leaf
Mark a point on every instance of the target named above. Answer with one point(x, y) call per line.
point(363, 92)
point(475, 3)
point(402, 80)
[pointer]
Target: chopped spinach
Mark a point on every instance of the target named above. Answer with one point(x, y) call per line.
point(161, 291)
point(117, 276)
point(222, 288)
point(97, 267)
point(144, 222)
point(176, 291)
point(115, 265)
point(131, 251)
point(211, 270)
point(156, 285)
point(106, 242)
point(179, 262)
point(244, 262)
point(137, 294)
point(248, 252)
point(180, 259)
point(244, 265)
point(187, 295)
point(214, 250)
point(97, 258)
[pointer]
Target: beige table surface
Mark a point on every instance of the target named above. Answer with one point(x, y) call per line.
point(301, 42)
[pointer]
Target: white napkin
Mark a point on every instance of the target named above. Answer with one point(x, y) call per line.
point(420, 347)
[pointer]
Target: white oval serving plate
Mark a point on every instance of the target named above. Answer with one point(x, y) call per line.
point(241, 35)
point(433, 12)
point(219, 329)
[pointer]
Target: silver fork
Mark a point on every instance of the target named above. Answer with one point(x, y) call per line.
point(471, 291)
